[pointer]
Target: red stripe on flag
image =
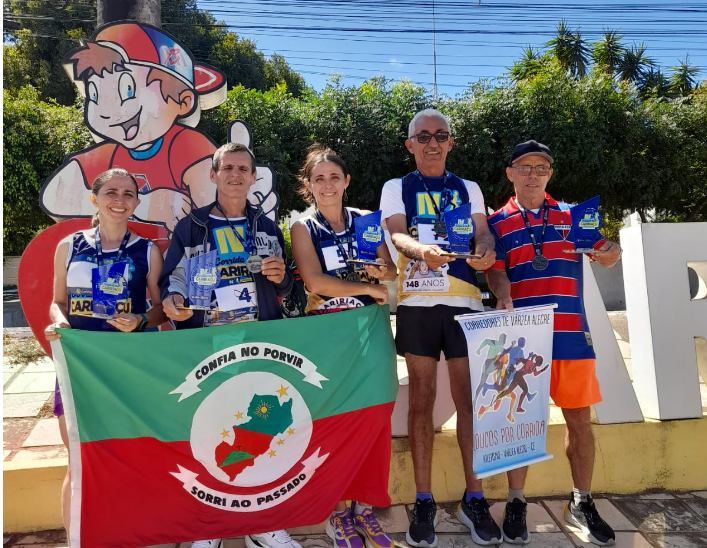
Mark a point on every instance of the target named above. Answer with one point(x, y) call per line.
point(129, 497)
point(544, 286)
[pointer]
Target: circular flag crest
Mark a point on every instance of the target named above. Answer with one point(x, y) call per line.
point(251, 430)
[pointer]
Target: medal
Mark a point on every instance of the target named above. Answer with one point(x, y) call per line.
point(540, 262)
point(254, 264)
point(440, 229)
point(352, 277)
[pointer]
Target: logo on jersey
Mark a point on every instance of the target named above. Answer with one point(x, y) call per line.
point(563, 230)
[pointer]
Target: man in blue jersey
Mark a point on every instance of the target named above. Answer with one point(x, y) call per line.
point(531, 240)
point(412, 209)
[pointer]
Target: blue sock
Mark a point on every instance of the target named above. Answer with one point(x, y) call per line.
point(424, 496)
point(473, 495)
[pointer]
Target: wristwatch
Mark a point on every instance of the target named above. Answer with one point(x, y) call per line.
point(143, 323)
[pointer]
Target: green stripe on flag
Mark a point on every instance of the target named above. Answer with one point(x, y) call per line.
point(129, 385)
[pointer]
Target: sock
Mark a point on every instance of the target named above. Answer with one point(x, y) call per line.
point(515, 494)
point(340, 513)
point(359, 508)
point(580, 495)
point(473, 495)
point(424, 496)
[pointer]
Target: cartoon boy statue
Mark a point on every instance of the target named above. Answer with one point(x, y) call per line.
point(143, 91)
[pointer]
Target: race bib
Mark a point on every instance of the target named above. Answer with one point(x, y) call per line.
point(234, 303)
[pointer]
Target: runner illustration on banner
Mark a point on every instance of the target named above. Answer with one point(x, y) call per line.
point(509, 357)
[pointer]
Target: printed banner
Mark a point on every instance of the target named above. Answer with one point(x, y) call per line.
point(224, 431)
point(510, 354)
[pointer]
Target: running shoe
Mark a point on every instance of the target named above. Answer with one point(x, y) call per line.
point(477, 517)
point(368, 527)
point(215, 543)
point(422, 528)
point(515, 529)
point(275, 539)
point(342, 531)
point(585, 516)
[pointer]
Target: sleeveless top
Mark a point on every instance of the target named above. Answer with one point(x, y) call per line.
point(81, 261)
point(334, 264)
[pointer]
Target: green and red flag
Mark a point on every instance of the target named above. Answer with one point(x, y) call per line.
point(225, 431)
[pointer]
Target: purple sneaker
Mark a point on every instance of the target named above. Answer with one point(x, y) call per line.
point(368, 527)
point(342, 531)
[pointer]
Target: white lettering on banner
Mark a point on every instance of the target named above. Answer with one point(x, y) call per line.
point(253, 502)
point(248, 351)
point(510, 354)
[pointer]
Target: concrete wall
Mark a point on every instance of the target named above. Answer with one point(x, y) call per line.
point(611, 285)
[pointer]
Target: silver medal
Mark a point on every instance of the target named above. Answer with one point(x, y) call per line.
point(254, 264)
point(540, 262)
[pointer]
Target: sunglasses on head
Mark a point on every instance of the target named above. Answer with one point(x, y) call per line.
point(424, 138)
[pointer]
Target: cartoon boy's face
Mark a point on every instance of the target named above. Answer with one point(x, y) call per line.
point(121, 107)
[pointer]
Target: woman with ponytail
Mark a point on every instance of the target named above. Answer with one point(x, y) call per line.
point(115, 195)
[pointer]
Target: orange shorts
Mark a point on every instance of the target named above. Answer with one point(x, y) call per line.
point(574, 383)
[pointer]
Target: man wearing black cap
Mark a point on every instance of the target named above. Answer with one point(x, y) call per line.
point(531, 236)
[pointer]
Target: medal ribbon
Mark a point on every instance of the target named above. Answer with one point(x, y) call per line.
point(326, 225)
point(438, 211)
point(537, 247)
point(99, 248)
point(247, 244)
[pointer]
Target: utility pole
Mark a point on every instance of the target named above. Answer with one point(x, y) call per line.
point(143, 11)
point(434, 47)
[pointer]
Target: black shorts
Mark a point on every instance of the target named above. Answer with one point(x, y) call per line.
point(427, 330)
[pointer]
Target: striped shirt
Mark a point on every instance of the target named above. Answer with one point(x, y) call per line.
point(561, 282)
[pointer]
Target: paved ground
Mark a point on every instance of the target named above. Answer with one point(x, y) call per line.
point(661, 520)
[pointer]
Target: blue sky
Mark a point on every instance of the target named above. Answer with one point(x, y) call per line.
point(364, 38)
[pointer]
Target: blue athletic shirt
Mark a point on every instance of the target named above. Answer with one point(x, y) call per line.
point(454, 283)
point(333, 264)
point(81, 261)
point(561, 282)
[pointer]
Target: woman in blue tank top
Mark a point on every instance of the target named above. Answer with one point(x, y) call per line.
point(321, 245)
point(115, 195)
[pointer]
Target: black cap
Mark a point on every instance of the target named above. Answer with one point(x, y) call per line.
point(530, 147)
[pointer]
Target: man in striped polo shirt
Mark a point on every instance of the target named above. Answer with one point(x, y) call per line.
point(532, 268)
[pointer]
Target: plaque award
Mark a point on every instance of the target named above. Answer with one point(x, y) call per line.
point(369, 235)
point(110, 285)
point(203, 277)
point(460, 230)
point(586, 222)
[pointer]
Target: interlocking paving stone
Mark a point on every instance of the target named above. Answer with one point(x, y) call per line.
point(32, 382)
point(656, 516)
point(6, 538)
point(5, 454)
point(613, 516)
point(15, 432)
point(318, 529)
point(314, 541)
point(43, 365)
point(23, 405)
point(46, 432)
point(393, 519)
point(623, 540)
point(701, 494)
point(8, 367)
point(6, 377)
point(227, 543)
point(679, 540)
point(685, 495)
point(446, 540)
point(55, 536)
point(538, 520)
point(448, 520)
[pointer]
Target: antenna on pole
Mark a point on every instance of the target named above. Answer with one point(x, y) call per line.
point(434, 48)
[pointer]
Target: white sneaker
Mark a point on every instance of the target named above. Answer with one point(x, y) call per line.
point(216, 543)
point(276, 539)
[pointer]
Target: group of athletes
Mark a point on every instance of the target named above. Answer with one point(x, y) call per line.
point(519, 248)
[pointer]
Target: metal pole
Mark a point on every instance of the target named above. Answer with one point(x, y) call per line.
point(143, 11)
point(434, 47)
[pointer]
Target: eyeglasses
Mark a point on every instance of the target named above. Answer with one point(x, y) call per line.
point(424, 138)
point(540, 170)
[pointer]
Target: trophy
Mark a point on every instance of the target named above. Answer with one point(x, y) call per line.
point(460, 230)
point(110, 285)
point(586, 222)
point(202, 277)
point(369, 235)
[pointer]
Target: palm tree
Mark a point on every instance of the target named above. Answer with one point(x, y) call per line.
point(608, 52)
point(527, 66)
point(570, 49)
point(683, 78)
point(635, 64)
point(654, 84)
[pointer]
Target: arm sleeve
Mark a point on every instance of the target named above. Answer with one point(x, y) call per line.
point(475, 197)
point(173, 279)
point(392, 199)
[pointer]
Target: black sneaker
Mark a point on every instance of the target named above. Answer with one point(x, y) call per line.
point(515, 530)
point(476, 516)
point(585, 516)
point(422, 527)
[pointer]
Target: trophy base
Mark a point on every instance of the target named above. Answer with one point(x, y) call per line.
point(460, 255)
point(585, 251)
point(366, 262)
